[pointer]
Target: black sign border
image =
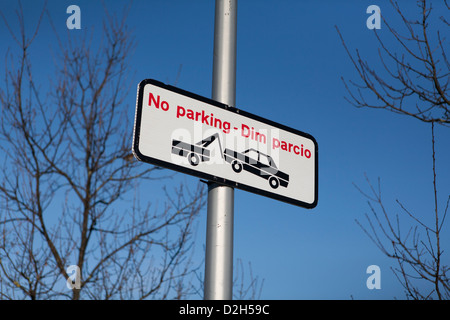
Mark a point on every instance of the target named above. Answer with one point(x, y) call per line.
point(141, 157)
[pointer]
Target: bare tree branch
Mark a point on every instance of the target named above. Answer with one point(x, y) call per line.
point(69, 177)
point(416, 83)
point(417, 80)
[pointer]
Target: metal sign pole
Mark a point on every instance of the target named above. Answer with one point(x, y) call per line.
point(219, 233)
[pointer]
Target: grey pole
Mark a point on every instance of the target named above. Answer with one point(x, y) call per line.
point(219, 230)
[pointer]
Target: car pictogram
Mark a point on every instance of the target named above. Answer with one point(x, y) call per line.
point(258, 163)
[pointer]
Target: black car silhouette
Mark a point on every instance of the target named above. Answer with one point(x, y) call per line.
point(258, 163)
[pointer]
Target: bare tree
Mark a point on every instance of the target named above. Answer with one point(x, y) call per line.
point(69, 184)
point(413, 81)
point(246, 289)
point(246, 286)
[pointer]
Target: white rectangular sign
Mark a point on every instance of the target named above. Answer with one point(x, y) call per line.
point(192, 134)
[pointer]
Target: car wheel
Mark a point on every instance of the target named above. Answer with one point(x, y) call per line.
point(193, 159)
point(274, 183)
point(237, 166)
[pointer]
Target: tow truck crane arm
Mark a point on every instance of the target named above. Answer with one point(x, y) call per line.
point(207, 141)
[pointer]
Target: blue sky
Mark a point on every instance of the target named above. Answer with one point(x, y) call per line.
point(289, 66)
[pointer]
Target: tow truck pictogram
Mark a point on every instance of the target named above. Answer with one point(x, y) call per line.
point(195, 153)
point(250, 160)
